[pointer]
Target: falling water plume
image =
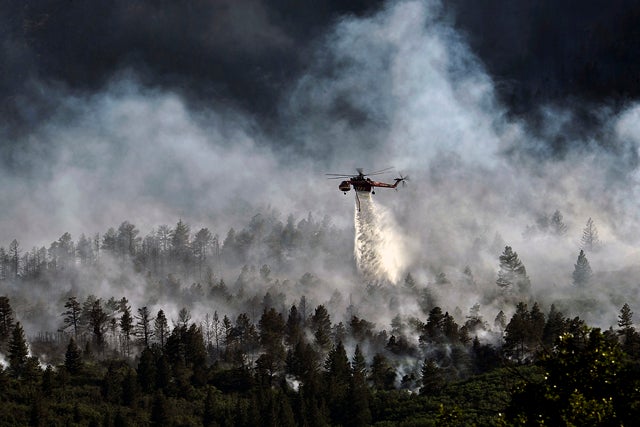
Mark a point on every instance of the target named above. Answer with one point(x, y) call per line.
point(378, 248)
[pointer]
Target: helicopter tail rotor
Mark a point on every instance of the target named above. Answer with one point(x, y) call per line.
point(402, 179)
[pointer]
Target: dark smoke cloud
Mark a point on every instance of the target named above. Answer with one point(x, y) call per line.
point(566, 54)
point(247, 53)
point(241, 52)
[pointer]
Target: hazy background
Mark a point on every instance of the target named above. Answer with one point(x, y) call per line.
point(210, 111)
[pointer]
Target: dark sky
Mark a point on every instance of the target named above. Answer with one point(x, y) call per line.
point(246, 53)
point(242, 52)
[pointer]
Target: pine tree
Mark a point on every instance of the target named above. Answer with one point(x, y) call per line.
point(73, 358)
point(590, 241)
point(97, 322)
point(246, 335)
point(321, 323)
point(73, 315)
point(382, 374)
point(126, 325)
point(6, 318)
point(195, 353)
point(554, 327)
point(84, 250)
point(18, 351)
point(630, 338)
point(161, 328)
point(474, 319)
point(432, 378)
point(433, 328)
point(450, 328)
point(625, 318)
point(556, 225)
point(536, 326)
point(4, 264)
point(201, 243)
point(518, 332)
point(359, 413)
point(293, 328)
point(512, 274)
point(143, 326)
point(14, 258)
point(180, 240)
point(338, 375)
point(582, 271)
point(127, 239)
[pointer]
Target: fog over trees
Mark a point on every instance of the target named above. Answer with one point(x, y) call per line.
point(159, 317)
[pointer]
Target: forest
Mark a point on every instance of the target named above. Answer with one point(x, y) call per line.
point(118, 329)
point(172, 254)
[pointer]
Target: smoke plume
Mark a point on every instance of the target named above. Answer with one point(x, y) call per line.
point(398, 84)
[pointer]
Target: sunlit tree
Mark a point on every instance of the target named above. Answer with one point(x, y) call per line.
point(587, 382)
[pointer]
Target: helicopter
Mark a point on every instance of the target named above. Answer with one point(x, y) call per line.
point(363, 184)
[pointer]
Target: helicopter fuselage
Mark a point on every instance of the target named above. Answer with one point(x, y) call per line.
point(361, 183)
point(364, 184)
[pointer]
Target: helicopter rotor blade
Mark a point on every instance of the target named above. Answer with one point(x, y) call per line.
point(385, 170)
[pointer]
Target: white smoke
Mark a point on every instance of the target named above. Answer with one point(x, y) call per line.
point(379, 247)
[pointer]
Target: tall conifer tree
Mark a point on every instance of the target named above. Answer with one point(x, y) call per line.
point(18, 351)
point(582, 272)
